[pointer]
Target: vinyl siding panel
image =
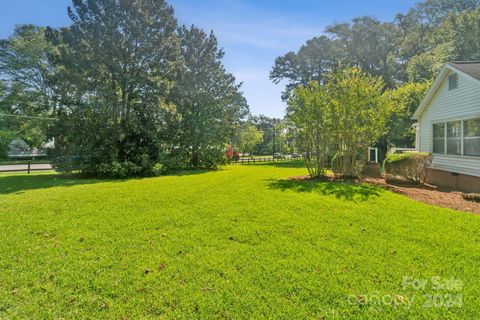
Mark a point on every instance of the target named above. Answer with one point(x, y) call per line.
point(446, 105)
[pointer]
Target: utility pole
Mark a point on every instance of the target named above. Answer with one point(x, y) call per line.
point(274, 137)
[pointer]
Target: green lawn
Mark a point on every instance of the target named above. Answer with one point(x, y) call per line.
point(235, 243)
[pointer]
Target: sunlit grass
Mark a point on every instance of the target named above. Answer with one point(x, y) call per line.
point(241, 242)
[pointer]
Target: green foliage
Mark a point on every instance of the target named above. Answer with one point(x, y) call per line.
point(118, 63)
point(410, 166)
point(425, 66)
point(360, 114)
point(272, 130)
point(404, 100)
point(137, 92)
point(340, 119)
point(209, 244)
point(5, 138)
point(310, 110)
point(208, 102)
point(365, 42)
point(462, 33)
point(412, 48)
point(250, 137)
point(24, 89)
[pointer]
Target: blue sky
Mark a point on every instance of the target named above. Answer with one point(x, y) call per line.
point(252, 32)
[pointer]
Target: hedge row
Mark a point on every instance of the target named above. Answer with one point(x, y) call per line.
point(410, 166)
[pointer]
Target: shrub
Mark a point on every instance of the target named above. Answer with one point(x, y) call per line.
point(410, 166)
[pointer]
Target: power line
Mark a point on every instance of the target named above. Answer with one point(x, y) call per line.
point(22, 116)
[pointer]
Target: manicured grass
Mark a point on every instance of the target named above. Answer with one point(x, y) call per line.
point(235, 243)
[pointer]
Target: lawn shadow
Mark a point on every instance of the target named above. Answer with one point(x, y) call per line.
point(183, 173)
point(285, 164)
point(17, 183)
point(350, 191)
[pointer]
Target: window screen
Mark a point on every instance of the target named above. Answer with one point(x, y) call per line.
point(439, 138)
point(454, 137)
point(471, 140)
point(453, 81)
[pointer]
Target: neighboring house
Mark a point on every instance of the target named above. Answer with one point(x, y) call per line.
point(19, 149)
point(449, 127)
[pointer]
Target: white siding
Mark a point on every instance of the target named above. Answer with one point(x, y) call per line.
point(457, 104)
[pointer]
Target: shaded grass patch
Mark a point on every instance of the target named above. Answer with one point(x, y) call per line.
point(342, 190)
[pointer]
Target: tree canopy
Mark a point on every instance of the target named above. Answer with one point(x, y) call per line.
point(131, 92)
point(339, 120)
point(250, 137)
point(409, 48)
point(406, 53)
point(25, 94)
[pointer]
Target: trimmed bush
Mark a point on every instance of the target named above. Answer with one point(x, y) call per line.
point(410, 166)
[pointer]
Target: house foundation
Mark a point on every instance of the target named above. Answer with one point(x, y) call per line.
point(454, 181)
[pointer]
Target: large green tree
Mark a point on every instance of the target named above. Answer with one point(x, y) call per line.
point(26, 95)
point(387, 48)
point(118, 61)
point(462, 33)
point(412, 48)
point(366, 43)
point(250, 137)
point(208, 101)
point(403, 101)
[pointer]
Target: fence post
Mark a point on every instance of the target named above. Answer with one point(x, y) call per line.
point(29, 165)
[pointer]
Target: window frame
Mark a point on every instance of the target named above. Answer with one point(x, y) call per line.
point(457, 139)
point(445, 136)
point(450, 77)
point(467, 138)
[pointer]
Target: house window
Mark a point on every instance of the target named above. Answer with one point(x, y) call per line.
point(439, 138)
point(471, 137)
point(453, 81)
point(454, 137)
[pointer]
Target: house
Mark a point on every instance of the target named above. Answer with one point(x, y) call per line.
point(19, 149)
point(449, 127)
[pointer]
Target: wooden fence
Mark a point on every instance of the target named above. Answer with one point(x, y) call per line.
point(263, 160)
point(25, 167)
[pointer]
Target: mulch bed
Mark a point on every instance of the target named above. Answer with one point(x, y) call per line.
point(424, 193)
point(428, 194)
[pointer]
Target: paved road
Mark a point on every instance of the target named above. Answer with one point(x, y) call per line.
point(24, 167)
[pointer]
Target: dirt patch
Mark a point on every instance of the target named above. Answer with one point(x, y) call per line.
point(424, 193)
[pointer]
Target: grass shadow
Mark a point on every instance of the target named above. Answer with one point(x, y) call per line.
point(285, 164)
point(193, 172)
point(16, 183)
point(350, 191)
point(21, 182)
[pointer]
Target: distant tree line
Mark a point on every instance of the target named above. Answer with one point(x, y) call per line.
point(406, 53)
point(130, 91)
point(263, 135)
